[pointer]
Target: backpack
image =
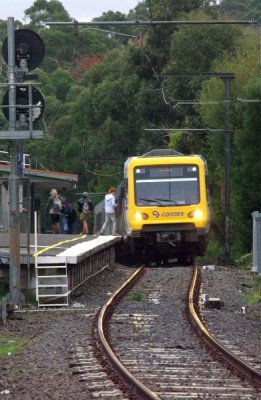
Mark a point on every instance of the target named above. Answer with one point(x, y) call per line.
point(57, 204)
point(85, 208)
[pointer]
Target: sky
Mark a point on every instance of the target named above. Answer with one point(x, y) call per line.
point(82, 10)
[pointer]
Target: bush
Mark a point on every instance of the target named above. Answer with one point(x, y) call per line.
point(255, 295)
point(215, 254)
point(244, 262)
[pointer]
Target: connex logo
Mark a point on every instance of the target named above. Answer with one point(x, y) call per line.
point(173, 214)
point(156, 214)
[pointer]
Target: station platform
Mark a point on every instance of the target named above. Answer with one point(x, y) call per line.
point(72, 247)
point(54, 266)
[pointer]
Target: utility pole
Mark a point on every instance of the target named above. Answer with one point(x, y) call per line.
point(22, 105)
point(227, 81)
point(13, 181)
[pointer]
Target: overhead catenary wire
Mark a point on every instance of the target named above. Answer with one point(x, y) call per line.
point(174, 103)
point(99, 174)
point(186, 130)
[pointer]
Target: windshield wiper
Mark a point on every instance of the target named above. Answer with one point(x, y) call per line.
point(168, 201)
point(159, 201)
point(149, 200)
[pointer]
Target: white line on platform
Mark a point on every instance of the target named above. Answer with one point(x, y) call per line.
point(83, 247)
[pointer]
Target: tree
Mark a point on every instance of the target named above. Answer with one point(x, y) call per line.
point(58, 84)
point(169, 9)
point(241, 9)
point(246, 167)
point(245, 124)
point(194, 49)
point(45, 11)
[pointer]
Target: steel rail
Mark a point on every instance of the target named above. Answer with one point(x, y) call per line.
point(231, 358)
point(134, 385)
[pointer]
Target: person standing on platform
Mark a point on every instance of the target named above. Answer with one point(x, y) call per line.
point(66, 213)
point(85, 208)
point(54, 205)
point(71, 221)
point(110, 214)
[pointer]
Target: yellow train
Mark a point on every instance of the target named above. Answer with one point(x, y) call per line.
point(163, 206)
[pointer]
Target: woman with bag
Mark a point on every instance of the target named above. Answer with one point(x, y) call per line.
point(85, 208)
point(54, 205)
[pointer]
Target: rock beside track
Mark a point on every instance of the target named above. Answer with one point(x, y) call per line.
point(238, 320)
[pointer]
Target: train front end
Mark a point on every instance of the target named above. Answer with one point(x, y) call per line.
point(168, 205)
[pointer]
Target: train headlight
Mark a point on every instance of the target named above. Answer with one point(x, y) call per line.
point(197, 214)
point(139, 216)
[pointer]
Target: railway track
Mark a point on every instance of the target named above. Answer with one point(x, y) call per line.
point(150, 333)
point(230, 339)
point(155, 343)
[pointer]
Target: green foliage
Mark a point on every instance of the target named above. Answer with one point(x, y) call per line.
point(10, 345)
point(136, 295)
point(244, 262)
point(251, 294)
point(244, 120)
point(254, 298)
point(254, 293)
point(241, 9)
point(43, 11)
point(195, 48)
point(170, 9)
point(215, 254)
point(58, 84)
point(247, 163)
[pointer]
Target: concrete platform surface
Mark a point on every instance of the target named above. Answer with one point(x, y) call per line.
point(53, 245)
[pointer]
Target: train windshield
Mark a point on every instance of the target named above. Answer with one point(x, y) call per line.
point(166, 185)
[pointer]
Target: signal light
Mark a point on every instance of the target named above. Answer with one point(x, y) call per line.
point(29, 52)
point(22, 104)
point(29, 49)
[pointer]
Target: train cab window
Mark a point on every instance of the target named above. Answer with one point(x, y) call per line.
point(166, 185)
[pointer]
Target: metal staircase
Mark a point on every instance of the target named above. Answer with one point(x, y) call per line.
point(51, 282)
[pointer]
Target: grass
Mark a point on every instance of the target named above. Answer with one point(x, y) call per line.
point(136, 295)
point(255, 296)
point(10, 345)
point(252, 294)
